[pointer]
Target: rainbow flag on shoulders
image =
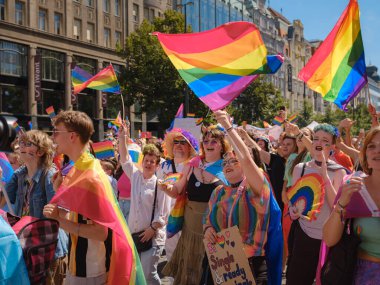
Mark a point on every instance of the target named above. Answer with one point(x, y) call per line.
point(220, 63)
point(337, 70)
point(105, 80)
point(87, 191)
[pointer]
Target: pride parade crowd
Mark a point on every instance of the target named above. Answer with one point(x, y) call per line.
point(113, 213)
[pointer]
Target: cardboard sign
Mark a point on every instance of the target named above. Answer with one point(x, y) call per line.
point(189, 124)
point(228, 262)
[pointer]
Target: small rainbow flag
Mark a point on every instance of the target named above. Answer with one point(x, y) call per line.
point(179, 112)
point(266, 125)
point(190, 115)
point(199, 121)
point(105, 80)
point(337, 70)
point(172, 178)
point(103, 149)
point(219, 64)
point(278, 121)
point(17, 128)
point(87, 191)
point(50, 111)
point(118, 121)
point(293, 118)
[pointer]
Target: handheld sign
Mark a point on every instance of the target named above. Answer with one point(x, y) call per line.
point(228, 262)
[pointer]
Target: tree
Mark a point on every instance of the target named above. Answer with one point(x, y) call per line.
point(259, 102)
point(305, 117)
point(150, 78)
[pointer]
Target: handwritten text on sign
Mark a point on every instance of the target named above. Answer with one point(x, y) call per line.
point(228, 262)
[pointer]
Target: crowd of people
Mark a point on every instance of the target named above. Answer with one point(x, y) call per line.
point(228, 177)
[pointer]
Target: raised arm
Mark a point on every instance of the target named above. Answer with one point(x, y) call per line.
point(254, 176)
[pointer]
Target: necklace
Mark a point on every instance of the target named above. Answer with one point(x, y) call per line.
point(235, 185)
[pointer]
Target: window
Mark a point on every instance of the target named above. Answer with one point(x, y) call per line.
point(52, 65)
point(13, 58)
point(117, 7)
point(90, 32)
point(42, 20)
point(118, 38)
point(106, 6)
point(135, 13)
point(2, 10)
point(58, 24)
point(107, 37)
point(90, 3)
point(20, 13)
point(13, 99)
point(77, 29)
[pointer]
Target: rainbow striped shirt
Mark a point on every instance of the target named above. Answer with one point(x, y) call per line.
point(227, 207)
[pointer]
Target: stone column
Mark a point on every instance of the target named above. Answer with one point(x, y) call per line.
point(32, 104)
point(68, 92)
point(99, 106)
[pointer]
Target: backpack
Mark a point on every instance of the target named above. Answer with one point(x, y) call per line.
point(38, 239)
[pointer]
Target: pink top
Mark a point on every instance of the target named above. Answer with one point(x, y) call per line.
point(124, 187)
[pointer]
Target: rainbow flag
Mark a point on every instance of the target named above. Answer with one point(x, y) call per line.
point(50, 111)
point(87, 191)
point(266, 124)
point(278, 121)
point(135, 153)
point(118, 121)
point(337, 70)
point(190, 115)
point(199, 121)
point(220, 63)
point(17, 128)
point(103, 149)
point(293, 118)
point(179, 112)
point(105, 80)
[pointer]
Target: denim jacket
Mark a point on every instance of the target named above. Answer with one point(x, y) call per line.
point(16, 191)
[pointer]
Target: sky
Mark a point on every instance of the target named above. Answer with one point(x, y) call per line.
point(320, 16)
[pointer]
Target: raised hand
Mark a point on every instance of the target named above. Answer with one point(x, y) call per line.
point(351, 186)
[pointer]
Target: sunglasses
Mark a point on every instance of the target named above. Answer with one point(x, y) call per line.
point(231, 161)
point(26, 144)
point(210, 142)
point(181, 142)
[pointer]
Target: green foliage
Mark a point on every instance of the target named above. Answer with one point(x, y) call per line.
point(150, 77)
point(259, 102)
point(305, 116)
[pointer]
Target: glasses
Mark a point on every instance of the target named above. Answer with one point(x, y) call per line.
point(26, 144)
point(231, 161)
point(55, 132)
point(210, 142)
point(181, 142)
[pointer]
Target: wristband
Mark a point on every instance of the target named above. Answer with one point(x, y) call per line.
point(300, 135)
point(205, 229)
point(229, 129)
point(153, 228)
point(341, 206)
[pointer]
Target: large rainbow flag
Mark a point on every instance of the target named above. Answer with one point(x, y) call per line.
point(86, 190)
point(337, 70)
point(220, 63)
point(105, 80)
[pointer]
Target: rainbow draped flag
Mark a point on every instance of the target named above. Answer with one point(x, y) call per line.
point(103, 149)
point(337, 70)
point(87, 191)
point(105, 80)
point(220, 63)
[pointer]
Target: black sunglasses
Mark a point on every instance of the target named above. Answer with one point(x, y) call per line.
point(181, 142)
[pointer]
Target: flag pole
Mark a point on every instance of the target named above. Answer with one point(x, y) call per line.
point(122, 104)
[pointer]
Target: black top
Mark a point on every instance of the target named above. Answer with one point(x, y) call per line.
point(198, 191)
point(276, 175)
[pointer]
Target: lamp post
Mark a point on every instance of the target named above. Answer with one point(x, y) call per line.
point(185, 30)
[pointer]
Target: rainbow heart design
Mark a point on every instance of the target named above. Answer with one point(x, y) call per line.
point(220, 240)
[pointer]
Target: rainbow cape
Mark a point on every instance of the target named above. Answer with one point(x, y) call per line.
point(308, 195)
point(220, 63)
point(103, 149)
point(105, 80)
point(337, 70)
point(87, 191)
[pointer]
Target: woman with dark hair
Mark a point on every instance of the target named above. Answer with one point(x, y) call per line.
point(359, 198)
point(200, 177)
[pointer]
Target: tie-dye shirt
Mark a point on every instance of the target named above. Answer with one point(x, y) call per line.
point(228, 207)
